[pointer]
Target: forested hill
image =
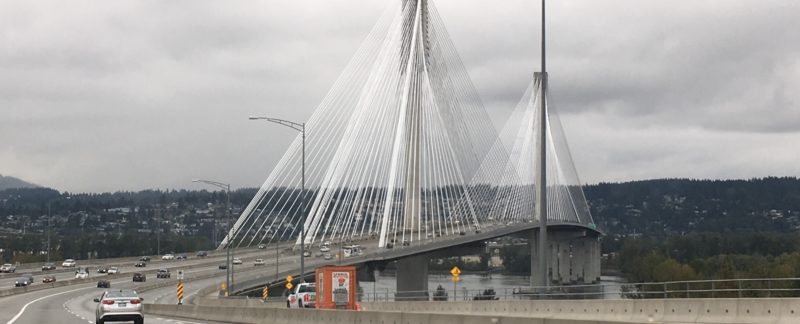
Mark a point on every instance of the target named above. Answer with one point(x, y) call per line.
point(7, 182)
point(668, 207)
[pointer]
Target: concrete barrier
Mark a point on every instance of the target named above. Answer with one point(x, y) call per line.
point(310, 316)
point(746, 310)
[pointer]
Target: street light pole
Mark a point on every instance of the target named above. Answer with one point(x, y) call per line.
point(300, 127)
point(228, 256)
point(49, 223)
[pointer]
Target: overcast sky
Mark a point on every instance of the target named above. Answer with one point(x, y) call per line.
point(127, 95)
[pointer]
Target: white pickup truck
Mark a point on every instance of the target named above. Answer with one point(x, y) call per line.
point(304, 296)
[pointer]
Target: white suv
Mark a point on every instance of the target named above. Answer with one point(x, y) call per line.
point(69, 263)
point(168, 256)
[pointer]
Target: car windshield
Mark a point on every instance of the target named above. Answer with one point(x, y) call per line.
point(7, 265)
point(122, 294)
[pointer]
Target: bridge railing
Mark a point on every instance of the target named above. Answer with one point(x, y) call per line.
point(720, 288)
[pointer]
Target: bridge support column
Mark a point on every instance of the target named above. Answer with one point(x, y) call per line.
point(412, 278)
point(573, 256)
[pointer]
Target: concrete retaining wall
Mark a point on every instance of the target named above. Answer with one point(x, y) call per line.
point(310, 316)
point(749, 310)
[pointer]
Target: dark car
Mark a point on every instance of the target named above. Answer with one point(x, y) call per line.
point(29, 276)
point(145, 259)
point(49, 266)
point(102, 269)
point(22, 282)
point(163, 273)
point(223, 266)
point(140, 264)
point(103, 284)
point(181, 257)
point(139, 277)
point(202, 254)
point(49, 278)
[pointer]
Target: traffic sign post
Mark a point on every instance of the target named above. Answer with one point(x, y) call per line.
point(265, 293)
point(455, 272)
point(224, 287)
point(289, 282)
point(180, 292)
point(180, 274)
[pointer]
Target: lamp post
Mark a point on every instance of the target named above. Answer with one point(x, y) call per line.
point(228, 265)
point(49, 224)
point(300, 127)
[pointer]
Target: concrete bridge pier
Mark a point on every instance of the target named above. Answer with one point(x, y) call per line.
point(412, 278)
point(573, 256)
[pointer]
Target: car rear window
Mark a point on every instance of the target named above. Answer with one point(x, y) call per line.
point(307, 289)
point(121, 294)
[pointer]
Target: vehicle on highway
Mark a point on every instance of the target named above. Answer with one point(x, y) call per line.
point(351, 250)
point(327, 256)
point(113, 270)
point(259, 262)
point(81, 274)
point(48, 266)
point(262, 246)
point(139, 277)
point(140, 264)
point(237, 261)
point(122, 305)
point(104, 284)
point(223, 266)
point(49, 278)
point(307, 253)
point(29, 276)
point(325, 248)
point(145, 259)
point(69, 263)
point(182, 257)
point(22, 282)
point(102, 269)
point(168, 256)
point(304, 296)
point(8, 268)
point(163, 273)
point(406, 243)
point(201, 254)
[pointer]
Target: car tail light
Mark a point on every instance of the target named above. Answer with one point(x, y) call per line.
point(135, 301)
point(306, 297)
point(108, 302)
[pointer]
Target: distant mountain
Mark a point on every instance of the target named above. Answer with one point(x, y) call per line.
point(11, 182)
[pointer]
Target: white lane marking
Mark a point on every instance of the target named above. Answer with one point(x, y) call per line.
point(21, 311)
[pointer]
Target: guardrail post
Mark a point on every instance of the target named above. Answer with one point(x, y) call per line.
point(712, 289)
point(740, 288)
point(665, 290)
point(687, 289)
point(769, 288)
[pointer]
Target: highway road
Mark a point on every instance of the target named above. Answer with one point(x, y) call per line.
point(127, 267)
point(74, 303)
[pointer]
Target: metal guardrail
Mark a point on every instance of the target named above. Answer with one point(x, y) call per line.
point(721, 288)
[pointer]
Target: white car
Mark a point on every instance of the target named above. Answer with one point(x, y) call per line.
point(259, 262)
point(82, 274)
point(237, 261)
point(112, 270)
point(8, 268)
point(304, 296)
point(168, 256)
point(69, 263)
point(325, 248)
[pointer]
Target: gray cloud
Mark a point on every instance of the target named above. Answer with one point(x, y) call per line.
point(104, 95)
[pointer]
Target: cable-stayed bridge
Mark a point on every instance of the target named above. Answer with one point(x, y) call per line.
point(402, 152)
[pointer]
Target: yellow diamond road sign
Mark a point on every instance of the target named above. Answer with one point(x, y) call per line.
point(288, 278)
point(455, 271)
point(289, 285)
point(456, 278)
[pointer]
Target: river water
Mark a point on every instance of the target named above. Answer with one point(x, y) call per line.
point(504, 285)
